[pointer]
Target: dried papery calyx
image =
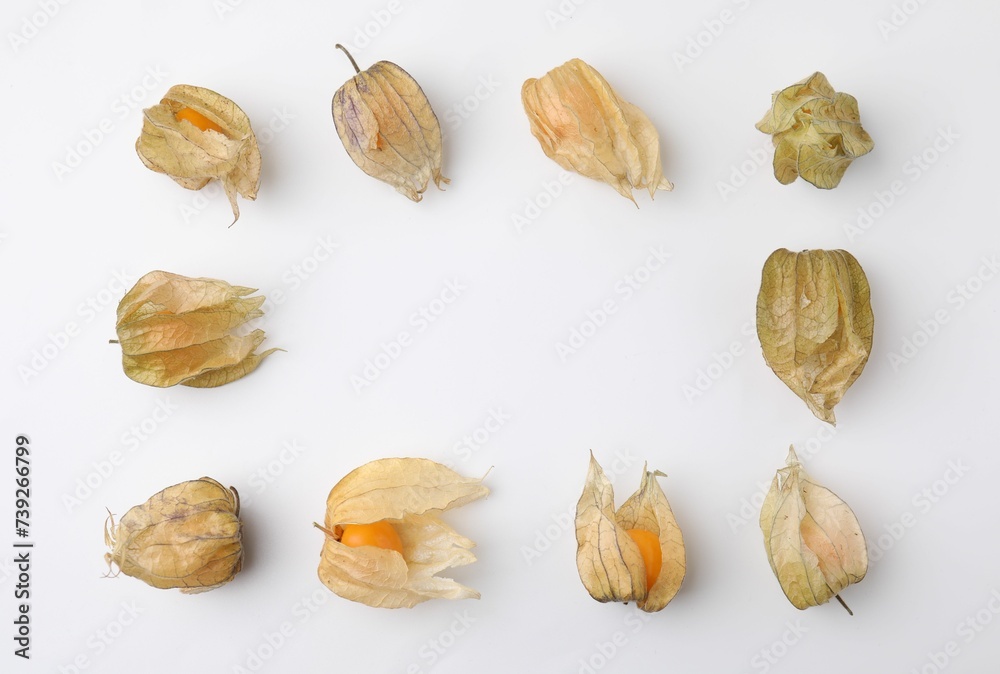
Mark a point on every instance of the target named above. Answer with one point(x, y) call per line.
point(633, 554)
point(815, 324)
point(388, 128)
point(195, 135)
point(179, 330)
point(188, 536)
point(585, 126)
point(813, 540)
point(384, 539)
point(816, 132)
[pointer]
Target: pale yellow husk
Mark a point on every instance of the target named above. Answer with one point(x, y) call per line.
point(585, 126)
point(410, 494)
point(389, 129)
point(179, 330)
point(188, 536)
point(193, 157)
point(813, 540)
point(608, 560)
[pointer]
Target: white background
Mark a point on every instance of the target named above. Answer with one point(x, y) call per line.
point(65, 237)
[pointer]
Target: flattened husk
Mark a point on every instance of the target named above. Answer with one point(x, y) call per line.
point(585, 126)
point(188, 536)
point(815, 324)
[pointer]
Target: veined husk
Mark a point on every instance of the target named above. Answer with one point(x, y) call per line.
point(193, 157)
point(608, 560)
point(188, 536)
point(389, 129)
point(815, 324)
point(816, 132)
point(813, 540)
point(585, 126)
point(410, 494)
point(179, 330)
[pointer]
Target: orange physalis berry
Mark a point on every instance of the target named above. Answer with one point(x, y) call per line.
point(379, 534)
point(652, 556)
point(198, 119)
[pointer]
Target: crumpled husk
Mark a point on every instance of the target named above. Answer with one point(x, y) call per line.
point(192, 156)
point(813, 540)
point(815, 324)
point(188, 536)
point(585, 126)
point(816, 132)
point(608, 559)
point(179, 330)
point(409, 494)
point(389, 129)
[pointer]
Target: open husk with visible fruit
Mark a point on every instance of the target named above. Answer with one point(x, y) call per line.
point(385, 541)
point(195, 135)
point(633, 554)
